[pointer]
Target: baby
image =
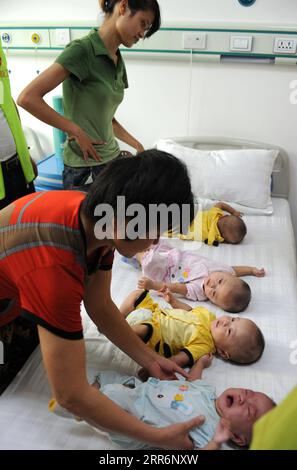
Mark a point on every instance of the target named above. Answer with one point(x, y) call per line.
point(196, 277)
point(185, 334)
point(231, 415)
point(214, 226)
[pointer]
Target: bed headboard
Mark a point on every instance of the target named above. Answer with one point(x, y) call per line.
point(280, 176)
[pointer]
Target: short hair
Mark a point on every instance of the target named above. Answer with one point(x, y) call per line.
point(238, 227)
point(251, 350)
point(151, 177)
point(240, 298)
point(136, 5)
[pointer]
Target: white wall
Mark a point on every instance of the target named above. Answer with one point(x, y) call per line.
point(276, 11)
point(244, 101)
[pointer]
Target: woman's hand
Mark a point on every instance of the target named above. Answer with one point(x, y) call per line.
point(176, 436)
point(86, 144)
point(164, 369)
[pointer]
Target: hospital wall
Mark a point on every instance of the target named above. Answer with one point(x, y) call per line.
point(250, 101)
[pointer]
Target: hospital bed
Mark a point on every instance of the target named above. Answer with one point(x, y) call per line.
point(25, 420)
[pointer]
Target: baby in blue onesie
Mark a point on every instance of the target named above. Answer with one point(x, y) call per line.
point(230, 416)
point(163, 402)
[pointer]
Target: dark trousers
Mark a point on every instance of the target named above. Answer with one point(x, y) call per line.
point(15, 182)
point(77, 177)
point(18, 339)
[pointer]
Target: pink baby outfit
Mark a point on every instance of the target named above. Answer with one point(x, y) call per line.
point(167, 264)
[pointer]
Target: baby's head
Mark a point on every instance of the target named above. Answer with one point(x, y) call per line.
point(242, 408)
point(227, 291)
point(232, 228)
point(237, 339)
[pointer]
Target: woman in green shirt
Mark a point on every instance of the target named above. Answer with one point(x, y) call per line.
point(94, 78)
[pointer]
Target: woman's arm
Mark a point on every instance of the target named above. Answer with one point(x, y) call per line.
point(111, 323)
point(124, 136)
point(64, 362)
point(31, 99)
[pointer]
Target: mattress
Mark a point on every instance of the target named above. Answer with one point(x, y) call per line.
point(270, 244)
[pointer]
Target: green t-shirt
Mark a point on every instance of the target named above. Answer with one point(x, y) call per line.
point(91, 95)
point(277, 430)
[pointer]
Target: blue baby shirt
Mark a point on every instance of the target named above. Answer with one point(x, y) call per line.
point(162, 402)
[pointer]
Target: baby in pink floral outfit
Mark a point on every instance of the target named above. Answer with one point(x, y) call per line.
point(196, 277)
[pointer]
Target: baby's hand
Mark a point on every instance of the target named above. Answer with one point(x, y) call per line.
point(145, 283)
point(222, 433)
point(167, 294)
point(206, 360)
point(237, 213)
point(258, 272)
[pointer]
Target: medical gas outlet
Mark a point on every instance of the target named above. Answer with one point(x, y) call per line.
point(6, 38)
point(194, 41)
point(36, 38)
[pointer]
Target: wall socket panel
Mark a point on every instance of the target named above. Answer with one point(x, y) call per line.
point(285, 45)
point(194, 41)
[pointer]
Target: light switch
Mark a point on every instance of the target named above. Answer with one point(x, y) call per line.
point(241, 43)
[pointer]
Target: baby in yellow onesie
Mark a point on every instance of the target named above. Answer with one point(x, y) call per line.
point(185, 334)
point(214, 226)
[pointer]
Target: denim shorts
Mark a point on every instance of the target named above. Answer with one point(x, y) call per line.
point(81, 178)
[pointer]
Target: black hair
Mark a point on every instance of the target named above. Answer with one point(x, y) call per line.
point(136, 5)
point(151, 177)
point(238, 228)
point(240, 298)
point(252, 350)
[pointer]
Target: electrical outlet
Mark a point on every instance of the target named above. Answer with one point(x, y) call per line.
point(62, 37)
point(194, 40)
point(285, 45)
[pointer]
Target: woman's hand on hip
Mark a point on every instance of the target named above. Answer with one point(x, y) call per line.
point(86, 144)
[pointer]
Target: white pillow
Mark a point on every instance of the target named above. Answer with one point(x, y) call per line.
point(206, 204)
point(239, 176)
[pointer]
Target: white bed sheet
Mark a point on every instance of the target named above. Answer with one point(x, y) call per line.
point(270, 244)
